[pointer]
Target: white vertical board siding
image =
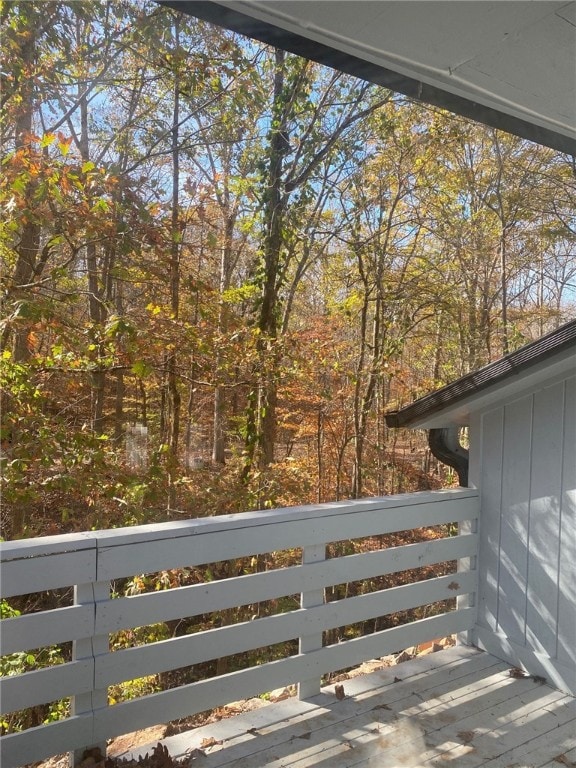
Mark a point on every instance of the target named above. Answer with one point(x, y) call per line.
point(544, 524)
point(490, 506)
point(527, 572)
point(566, 650)
point(517, 446)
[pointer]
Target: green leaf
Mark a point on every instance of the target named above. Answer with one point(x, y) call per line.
point(101, 205)
point(18, 185)
point(64, 146)
point(141, 368)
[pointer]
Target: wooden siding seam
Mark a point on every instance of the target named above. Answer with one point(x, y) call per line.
point(530, 510)
point(560, 515)
point(500, 490)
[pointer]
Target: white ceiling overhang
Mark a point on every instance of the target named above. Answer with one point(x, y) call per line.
point(510, 64)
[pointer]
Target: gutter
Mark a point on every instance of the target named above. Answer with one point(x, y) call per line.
point(514, 364)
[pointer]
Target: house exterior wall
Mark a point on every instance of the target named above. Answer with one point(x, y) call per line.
point(523, 460)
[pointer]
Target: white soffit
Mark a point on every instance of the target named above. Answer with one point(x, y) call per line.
point(514, 56)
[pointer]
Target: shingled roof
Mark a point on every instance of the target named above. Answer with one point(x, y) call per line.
point(498, 372)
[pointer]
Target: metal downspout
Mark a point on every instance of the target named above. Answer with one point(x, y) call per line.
point(445, 446)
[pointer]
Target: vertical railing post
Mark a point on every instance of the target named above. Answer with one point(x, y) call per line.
point(89, 648)
point(312, 554)
point(464, 565)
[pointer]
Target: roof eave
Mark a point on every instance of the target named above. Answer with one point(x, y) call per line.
point(330, 56)
point(532, 365)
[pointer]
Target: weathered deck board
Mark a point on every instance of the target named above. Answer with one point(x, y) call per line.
point(457, 706)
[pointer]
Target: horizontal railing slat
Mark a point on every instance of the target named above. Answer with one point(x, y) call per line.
point(37, 574)
point(38, 630)
point(118, 561)
point(141, 534)
point(198, 599)
point(44, 685)
point(225, 641)
point(208, 694)
point(17, 749)
point(20, 549)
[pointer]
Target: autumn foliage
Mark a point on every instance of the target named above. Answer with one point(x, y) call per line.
point(241, 260)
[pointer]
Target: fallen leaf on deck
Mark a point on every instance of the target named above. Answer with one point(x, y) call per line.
point(209, 742)
point(563, 760)
point(516, 672)
point(160, 758)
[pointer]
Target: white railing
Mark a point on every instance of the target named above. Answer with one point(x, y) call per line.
point(91, 562)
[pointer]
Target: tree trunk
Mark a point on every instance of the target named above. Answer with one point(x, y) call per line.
point(28, 248)
point(261, 416)
point(218, 435)
point(504, 290)
point(173, 392)
point(96, 306)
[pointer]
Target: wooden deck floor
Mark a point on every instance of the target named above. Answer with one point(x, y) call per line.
point(458, 707)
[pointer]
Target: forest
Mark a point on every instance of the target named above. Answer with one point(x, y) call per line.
point(222, 264)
